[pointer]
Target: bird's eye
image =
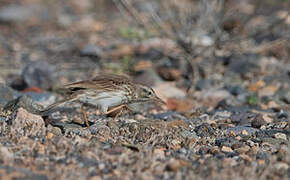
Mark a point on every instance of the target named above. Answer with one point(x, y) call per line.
point(149, 93)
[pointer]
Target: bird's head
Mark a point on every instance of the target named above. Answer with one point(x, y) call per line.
point(145, 93)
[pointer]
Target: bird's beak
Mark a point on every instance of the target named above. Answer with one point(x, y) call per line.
point(159, 100)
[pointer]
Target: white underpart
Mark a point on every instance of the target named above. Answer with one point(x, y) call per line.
point(105, 100)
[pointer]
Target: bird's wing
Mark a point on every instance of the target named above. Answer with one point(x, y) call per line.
point(104, 82)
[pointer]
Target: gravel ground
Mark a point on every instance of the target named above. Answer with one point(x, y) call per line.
point(227, 113)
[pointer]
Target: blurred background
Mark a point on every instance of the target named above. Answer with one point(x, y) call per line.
point(222, 66)
point(219, 53)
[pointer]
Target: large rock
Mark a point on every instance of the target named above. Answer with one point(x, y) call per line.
point(39, 74)
point(27, 124)
point(6, 94)
point(19, 13)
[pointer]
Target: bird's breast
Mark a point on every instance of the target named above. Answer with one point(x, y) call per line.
point(104, 99)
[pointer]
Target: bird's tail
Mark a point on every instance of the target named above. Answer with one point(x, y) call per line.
point(48, 108)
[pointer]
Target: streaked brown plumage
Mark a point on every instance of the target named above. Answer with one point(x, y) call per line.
point(107, 91)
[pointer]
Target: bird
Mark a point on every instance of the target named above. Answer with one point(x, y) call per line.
point(106, 92)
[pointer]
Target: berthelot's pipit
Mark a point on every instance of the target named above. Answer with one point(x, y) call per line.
point(107, 92)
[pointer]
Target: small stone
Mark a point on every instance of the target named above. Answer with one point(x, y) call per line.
point(250, 143)
point(95, 178)
point(234, 90)
point(258, 121)
point(215, 150)
point(168, 90)
point(56, 131)
point(232, 134)
point(242, 118)
point(174, 164)
point(246, 157)
point(159, 153)
point(268, 90)
point(139, 117)
point(226, 149)
point(91, 50)
point(280, 136)
point(6, 154)
point(49, 135)
point(281, 166)
point(204, 84)
point(244, 132)
point(242, 129)
point(238, 138)
point(261, 162)
point(214, 96)
point(243, 149)
point(169, 74)
point(286, 96)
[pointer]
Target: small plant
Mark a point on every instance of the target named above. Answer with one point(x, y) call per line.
point(252, 100)
point(127, 63)
point(134, 33)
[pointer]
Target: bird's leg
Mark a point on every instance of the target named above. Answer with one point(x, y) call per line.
point(116, 108)
point(85, 115)
point(118, 114)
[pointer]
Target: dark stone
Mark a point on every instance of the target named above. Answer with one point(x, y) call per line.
point(44, 97)
point(204, 130)
point(283, 115)
point(234, 90)
point(19, 84)
point(203, 150)
point(91, 50)
point(226, 141)
point(220, 156)
point(231, 154)
point(152, 53)
point(18, 13)
point(86, 162)
point(148, 77)
point(263, 155)
point(258, 121)
point(243, 64)
point(6, 94)
point(242, 118)
point(286, 96)
point(239, 129)
point(204, 84)
point(39, 74)
point(168, 116)
point(28, 174)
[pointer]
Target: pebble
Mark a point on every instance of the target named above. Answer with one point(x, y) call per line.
point(91, 50)
point(244, 64)
point(243, 149)
point(281, 166)
point(234, 90)
point(226, 149)
point(242, 118)
point(245, 130)
point(280, 136)
point(258, 121)
point(285, 96)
